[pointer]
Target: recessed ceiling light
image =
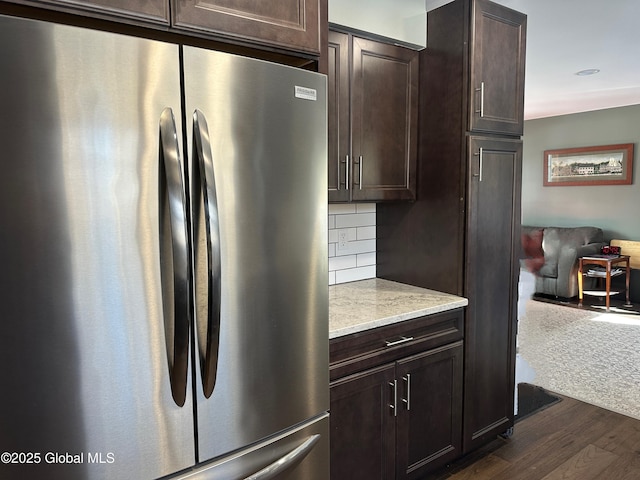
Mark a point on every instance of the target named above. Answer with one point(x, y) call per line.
point(588, 71)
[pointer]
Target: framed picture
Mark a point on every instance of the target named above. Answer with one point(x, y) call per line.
point(602, 165)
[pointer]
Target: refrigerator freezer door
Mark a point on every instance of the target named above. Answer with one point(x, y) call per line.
point(85, 365)
point(267, 131)
point(299, 454)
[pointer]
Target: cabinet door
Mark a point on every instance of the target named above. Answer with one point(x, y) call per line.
point(289, 24)
point(384, 119)
point(363, 426)
point(429, 426)
point(155, 11)
point(497, 69)
point(338, 116)
point(493, 238)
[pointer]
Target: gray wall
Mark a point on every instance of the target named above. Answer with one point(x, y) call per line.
point(615, 209)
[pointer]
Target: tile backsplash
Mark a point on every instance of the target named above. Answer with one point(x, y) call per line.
point(352, 242)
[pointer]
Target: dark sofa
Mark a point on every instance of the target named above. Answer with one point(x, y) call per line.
point(562, 246)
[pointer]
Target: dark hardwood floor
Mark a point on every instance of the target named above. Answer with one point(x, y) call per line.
point(568, 440)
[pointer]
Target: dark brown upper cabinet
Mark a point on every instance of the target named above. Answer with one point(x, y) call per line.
point(288, 31)
point(287, 24)
point(497, 50)
point(338, 114)
point(153, 11)
point(373, 119)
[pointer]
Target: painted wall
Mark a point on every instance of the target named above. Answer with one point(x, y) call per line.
point(615, 209)
point(405, 21)
point(612, 208)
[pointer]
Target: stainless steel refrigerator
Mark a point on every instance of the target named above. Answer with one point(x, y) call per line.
point(163, 261)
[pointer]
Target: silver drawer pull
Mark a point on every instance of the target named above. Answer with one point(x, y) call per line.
point(398, 342)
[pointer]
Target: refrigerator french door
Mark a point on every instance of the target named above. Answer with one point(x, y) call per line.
point(163, 261)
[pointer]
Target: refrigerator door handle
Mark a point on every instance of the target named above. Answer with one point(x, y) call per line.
point(289, 460)
point(174, 256)
point(206, 204)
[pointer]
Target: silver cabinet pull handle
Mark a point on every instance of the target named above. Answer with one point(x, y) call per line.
point(398, 342)
point(359, 163)
point(480, 155)
point(207, 253)
point(174, 257)
point(481, 90)
point(292, 458)
point(407, 400)
point(346, 173)
point(394, 397)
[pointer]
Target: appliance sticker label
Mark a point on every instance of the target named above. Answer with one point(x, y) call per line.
point(306, 93)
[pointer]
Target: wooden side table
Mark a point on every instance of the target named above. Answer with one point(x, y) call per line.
point(606, 261)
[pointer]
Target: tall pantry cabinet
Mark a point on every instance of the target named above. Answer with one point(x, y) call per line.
point(462, 235)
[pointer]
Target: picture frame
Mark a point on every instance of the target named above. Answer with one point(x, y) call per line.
point(586, 166)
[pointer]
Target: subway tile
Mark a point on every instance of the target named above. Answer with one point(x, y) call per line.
point(354, 274)
point(352, 234)
point(358, 261)
point(365, 233)
point(366, 259)
point(365, 207)
point(342, 208)
point(358, 246)
point(341, 263)
point(356, 220)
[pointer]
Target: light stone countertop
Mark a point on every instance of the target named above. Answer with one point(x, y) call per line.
point(366, 304)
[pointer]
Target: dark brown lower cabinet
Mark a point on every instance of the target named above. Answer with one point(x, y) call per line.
point(398, 420)
point(428, 428)
point(362, 429)
point(491, 283)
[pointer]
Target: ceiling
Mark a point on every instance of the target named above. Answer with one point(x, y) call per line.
point(567, 36)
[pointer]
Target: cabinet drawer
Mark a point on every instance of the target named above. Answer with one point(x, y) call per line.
point(359, 351)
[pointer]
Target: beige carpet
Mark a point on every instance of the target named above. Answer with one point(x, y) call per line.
point(590, 356)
